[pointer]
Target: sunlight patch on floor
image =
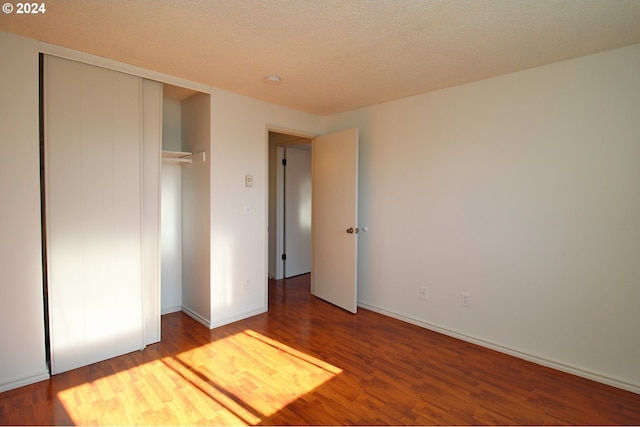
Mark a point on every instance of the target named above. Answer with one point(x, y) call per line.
point(240, 379)
point(253, 375)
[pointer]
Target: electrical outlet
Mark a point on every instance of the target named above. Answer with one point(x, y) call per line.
point(423, 292)
point(247, 285)
point(466, 299)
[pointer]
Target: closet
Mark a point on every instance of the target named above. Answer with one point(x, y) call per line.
point(185, 203)
point(103, 185)
point(101, 153)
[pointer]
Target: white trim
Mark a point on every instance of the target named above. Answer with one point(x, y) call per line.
point(87, 58)
point(289, 131)
point(195, 316)
point(237, 318)
point(594, 376)
point(141, 217)
point(280, 171)
point(169, 310)
point(279, 273)
point(23, 381)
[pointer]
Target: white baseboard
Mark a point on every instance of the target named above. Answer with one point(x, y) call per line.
point(169, 310)
point(210, 324)
point(195, 316)
point(20, 382)
point(604, 379)
point(237, 318)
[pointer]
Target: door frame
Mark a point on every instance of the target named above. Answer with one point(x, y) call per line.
point(275, 224)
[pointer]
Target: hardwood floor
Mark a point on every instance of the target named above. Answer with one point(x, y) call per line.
point(308, 362)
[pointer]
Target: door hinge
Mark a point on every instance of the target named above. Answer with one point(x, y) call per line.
point(284, 162)
point(284, 257)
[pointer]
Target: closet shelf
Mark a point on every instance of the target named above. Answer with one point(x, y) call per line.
point(180, 157)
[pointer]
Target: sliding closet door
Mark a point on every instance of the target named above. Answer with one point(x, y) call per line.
point(151, 179)
point(93, 200)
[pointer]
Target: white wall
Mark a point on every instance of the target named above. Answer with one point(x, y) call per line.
point(238, 213)
point(171, 124)
point(171, 241)
point(171, 205)
point(22, 352)
point(196, 197)
point(523, 190)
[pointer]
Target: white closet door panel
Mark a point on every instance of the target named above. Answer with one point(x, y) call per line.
point(151, 178)
point(127, 179)
point(97, 195)
point(64, 215)
point(93, 212)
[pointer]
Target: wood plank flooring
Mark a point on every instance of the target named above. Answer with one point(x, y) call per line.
point(306, 362)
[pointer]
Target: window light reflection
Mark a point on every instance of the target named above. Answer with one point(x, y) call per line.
point(240, 379)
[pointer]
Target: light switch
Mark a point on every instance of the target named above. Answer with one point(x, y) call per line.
point(248, 180)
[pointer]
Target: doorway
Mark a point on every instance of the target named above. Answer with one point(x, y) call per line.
point(289, 205)
point(334, 228)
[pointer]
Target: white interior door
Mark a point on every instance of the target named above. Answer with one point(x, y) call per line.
point(297, 228)
point(335, 216)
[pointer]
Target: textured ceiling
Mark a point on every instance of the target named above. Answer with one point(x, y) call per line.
point(334, 55)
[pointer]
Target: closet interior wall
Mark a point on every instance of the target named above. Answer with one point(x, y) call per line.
point(185, 237)
point(171, 208)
